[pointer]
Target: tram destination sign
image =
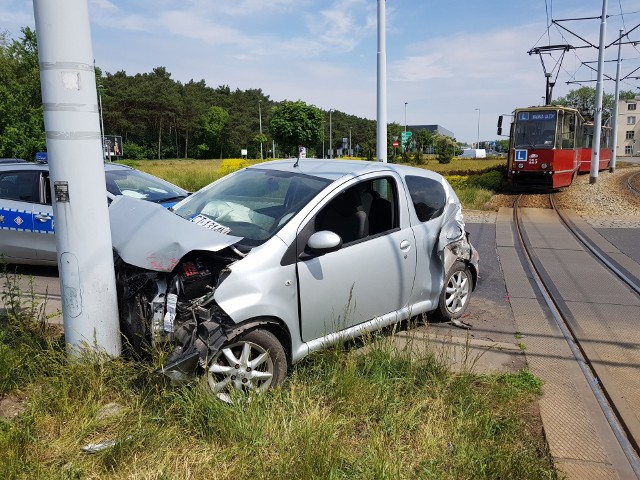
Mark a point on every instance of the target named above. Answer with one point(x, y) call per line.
point(536, 116)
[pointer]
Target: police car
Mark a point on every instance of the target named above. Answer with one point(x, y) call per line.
point(26, 213)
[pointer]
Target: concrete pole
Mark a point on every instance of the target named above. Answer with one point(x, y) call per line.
point(616, 99)
point(72, 125)
point(381, 147)
point(597, 121)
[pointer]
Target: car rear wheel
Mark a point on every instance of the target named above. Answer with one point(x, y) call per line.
point(254, 362)
point(455, 294)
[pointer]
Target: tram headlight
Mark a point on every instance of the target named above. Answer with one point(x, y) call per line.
point(544, 165)
point(521, 165)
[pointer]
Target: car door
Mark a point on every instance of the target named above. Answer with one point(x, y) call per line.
point(372, 274)
point(428, 198)
point(18, 195)
point(43, 224)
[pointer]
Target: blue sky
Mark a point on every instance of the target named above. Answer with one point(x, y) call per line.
point(444, 59)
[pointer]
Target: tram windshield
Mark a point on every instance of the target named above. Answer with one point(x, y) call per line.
point(535, 129)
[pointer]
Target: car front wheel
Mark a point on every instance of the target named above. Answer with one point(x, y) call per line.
point(454, 297)
point(254, 362)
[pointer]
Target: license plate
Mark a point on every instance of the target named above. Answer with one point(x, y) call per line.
point(210, 224)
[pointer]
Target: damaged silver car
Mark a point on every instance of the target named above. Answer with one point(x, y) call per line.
point(255, 271)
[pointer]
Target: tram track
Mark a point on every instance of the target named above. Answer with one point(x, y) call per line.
point(633, 182)
point(599, 384)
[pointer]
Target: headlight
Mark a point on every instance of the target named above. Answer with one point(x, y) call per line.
point(521, 165)
point(544, 165)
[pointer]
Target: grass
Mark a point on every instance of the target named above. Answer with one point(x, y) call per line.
point(195, 174)
point(375, 413)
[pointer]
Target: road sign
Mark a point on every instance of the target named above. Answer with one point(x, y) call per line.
point(395, 144)
point(405, 137)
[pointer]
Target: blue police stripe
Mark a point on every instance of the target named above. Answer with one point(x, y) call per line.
point(22, 221)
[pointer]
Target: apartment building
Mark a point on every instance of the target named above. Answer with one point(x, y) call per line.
point(628, 140)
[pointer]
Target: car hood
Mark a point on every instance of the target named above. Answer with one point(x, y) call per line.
point(149, 236)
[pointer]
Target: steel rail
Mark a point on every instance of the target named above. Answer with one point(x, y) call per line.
point(598, 253)
point(608, 409)
point(630, 183)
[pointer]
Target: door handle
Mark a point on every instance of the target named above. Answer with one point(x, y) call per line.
point(405, 245)
point(43, 217)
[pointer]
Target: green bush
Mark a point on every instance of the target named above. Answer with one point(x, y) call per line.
point(134, 151)
point(458, 181)
point(490, 180)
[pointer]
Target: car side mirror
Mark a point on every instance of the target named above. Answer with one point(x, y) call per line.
point(323, 242)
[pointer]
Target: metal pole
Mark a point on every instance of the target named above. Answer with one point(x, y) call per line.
point(381, 144)
point(72, 126)
point(101, 122)
point(404, 147)
point(350, 153)
point(478, 140)
point(330, 137)
point(597, 122)
point(260, 115)
point(614, 120)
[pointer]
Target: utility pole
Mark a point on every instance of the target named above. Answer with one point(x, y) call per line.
point(597, 122)
point(381, 144)
point(404, 147)
point(350, 152)
point(72, 125)
point(616, 99)
point(478, 142)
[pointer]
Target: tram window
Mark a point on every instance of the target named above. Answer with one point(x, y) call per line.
point(568, 130)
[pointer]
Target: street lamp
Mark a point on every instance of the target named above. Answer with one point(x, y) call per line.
point(330, 136)
point(405, 127)
point(100, 87)
point(260, 116)
point(478, 143)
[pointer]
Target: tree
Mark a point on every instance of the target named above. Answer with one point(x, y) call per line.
point(445, 148)
point(21, 114)
point(214, 122)
point(583, 99)
point(295, 124)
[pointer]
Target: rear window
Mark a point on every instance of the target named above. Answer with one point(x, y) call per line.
point(427, 195)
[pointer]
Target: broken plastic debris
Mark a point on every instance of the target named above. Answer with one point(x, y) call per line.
point(98, 447)
point(460, 323)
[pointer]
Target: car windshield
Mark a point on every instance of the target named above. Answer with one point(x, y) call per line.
point(136, 184)
point(252, 203)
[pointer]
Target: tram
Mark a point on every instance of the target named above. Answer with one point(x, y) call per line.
point(549, 146)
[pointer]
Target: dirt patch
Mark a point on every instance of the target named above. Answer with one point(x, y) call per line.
point(11, 406)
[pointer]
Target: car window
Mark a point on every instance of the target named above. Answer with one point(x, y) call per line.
point(136, 184)
point(427, 195)
point(364, 210)
point(20, 186)
point(253, 203)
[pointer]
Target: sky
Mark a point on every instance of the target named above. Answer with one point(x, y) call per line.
point(459, 65)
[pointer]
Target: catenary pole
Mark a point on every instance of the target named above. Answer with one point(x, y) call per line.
point(381, 144)
point(83, 235)
point(597, 121)
point(614, 147)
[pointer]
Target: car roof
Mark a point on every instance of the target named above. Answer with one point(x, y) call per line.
point(40, 166)
point(335, 169)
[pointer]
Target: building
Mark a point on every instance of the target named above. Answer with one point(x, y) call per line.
point(628, 141)
point(431, 128)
